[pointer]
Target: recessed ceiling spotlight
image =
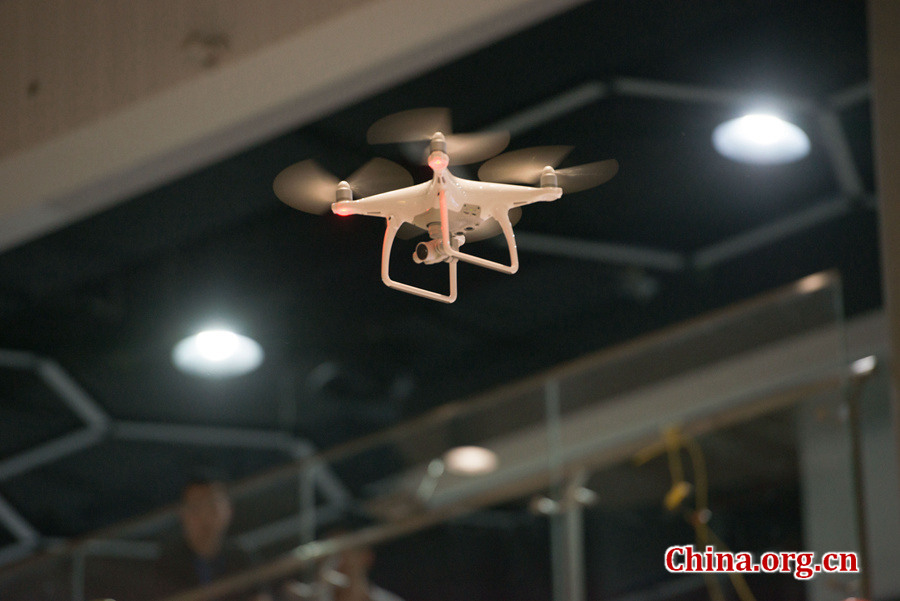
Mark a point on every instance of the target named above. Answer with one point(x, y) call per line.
point(470, 461)
point(217, 354)
point(761, 139)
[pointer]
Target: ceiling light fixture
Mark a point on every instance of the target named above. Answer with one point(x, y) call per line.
point(470, 461)
point(812, 283)
point(864, 366)
point(761, 139)
point(217, 354)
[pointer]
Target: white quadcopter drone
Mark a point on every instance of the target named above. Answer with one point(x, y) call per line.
point(450, 209)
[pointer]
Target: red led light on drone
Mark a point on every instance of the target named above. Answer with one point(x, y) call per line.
point(343, 211)
point(438, 161)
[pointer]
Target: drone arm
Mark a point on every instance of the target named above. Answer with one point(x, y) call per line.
point(390, 233)
point(502, 217)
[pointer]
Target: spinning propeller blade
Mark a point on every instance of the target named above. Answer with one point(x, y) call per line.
point(491, 228)
point(525, 167)
point(464, 149)
point(377, 176)
point(410, 126)
point(522, 166)
point(421, 124)
point(582, 177)
point(308, 187)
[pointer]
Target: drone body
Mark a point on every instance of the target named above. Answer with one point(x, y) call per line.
point(450, 209)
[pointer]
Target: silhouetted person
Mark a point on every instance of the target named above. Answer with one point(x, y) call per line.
point(203, 553)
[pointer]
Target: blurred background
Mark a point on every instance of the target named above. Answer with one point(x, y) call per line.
point(138, 147)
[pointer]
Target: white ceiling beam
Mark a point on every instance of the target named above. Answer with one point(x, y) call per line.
point(17, 359)
point(844, 99)
point(769, 233)
point(562, 104)
point(648, 88)
point(219, 436)
point(839, 154)
point(73, 395)
point(18, 526)
point(49, 452)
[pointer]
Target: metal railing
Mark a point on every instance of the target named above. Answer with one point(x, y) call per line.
point(710, 373)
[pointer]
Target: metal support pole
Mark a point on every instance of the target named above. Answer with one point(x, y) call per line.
point(567, 523)
point(554, 464)
point(78, 569)
point(573, 533)
point(567, 546)
point(558, 556)
point(824, 450)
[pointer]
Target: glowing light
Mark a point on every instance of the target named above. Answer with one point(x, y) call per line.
point(761, 139)
point(217, 345)
point(864, 366)
point(339, 209)
point(470, 461)
point(813, 282)
point(217, 354)
point(438, 161)
point(544, 506)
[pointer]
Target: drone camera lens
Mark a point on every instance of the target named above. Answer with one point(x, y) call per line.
point(421, 251)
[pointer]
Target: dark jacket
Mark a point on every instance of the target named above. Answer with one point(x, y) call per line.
point(179, 569)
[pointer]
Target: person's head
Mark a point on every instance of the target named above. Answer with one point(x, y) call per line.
point(205, 516)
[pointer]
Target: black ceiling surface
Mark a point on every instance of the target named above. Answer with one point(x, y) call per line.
point(107, 298)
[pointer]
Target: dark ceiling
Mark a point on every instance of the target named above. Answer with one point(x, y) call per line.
point(108, 297)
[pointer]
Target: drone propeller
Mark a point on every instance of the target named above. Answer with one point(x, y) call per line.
point(417, 125)
point(410, 126)
point(522, 166)
point(526, 165)
point(588, 175)
point(308, 187)
point(378, 175)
